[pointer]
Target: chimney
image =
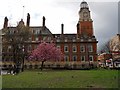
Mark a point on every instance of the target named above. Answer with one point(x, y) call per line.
point(28, 20)
point(78, 28)
point(62, 28)
point(5, 22)
point(43, 21)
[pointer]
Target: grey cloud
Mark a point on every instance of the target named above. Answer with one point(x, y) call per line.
point(106, 23)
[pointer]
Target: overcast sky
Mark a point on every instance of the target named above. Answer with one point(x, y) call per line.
point(104, 14)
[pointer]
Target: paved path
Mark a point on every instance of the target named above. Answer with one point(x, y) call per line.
point(4, 72)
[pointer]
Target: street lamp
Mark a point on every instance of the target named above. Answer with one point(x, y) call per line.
point(23, 50)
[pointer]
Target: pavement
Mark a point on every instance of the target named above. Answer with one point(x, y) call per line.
point(4, 72)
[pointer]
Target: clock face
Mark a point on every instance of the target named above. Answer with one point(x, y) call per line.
point(85, 14)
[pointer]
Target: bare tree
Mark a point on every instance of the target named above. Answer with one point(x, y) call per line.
point(17, 38)
point(105, 48)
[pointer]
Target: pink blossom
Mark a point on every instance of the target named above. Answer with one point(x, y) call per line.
point(46, 52)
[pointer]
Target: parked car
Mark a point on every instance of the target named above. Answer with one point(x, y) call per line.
point(116, 63)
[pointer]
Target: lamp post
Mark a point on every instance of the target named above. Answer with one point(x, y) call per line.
point(23, 50)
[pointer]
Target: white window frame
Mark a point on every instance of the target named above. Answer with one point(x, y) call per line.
point(30, 38)
point(83, 56)
point(58, 39)
point(66, 58)
point(82, 46)
point(90, 48)
point(58, 46)
point(91, 56)
point(74, 57)
point(74, 48)
point(33, 31)
point(36, 39)
point(9, 48)
point(29, 47)
point(66, 39)
point(74, 40)
point(65, 48)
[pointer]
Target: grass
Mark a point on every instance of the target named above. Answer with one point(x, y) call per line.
point(62, 79)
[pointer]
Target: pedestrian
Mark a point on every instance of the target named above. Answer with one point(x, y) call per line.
point(10, 69)
point(14, 70)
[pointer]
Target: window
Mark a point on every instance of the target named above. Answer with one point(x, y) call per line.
point(36, 31)
point(66, 58)
point(49, 38)
point(58, 39)
point(29, 48)
point(30, 38)
point(33, 31)
point(35, 46)
point(90, 48)
point(58, 46)
point(66, 39)
point(74, 48)
point(82, 58)
point(90, 58)
point(36, 38)
point(75, 58)
point(44, 38)
point(9, 48)
point(66, 48)
point(82, 48)
point(10, 32)
point(74, 40)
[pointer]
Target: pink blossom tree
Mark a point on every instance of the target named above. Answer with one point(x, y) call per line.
point(46, 52)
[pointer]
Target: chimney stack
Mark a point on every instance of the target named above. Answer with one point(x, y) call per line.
point(5, 22)
point(62, 28)
point(78, 28)
point(43, 21)
point(28, 20)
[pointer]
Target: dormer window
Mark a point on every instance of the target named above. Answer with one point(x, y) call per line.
point(58, 46)
point(58, 39)
point(66, 39)
point(33, 31)
point(74, 40)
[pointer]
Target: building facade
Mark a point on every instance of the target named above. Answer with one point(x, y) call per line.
point(115, 46)
point(79, 48)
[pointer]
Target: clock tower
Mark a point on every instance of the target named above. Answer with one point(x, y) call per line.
point(84, 26)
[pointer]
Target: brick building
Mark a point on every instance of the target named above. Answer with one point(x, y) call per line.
point(77, 48)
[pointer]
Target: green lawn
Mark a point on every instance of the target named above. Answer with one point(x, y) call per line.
point(62, 79)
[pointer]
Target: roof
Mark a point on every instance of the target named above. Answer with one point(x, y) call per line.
point(74, 37)
point(37, 29)
point(41, 29)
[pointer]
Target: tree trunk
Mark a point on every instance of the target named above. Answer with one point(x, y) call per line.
point(22, 69)
point(42, 65)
